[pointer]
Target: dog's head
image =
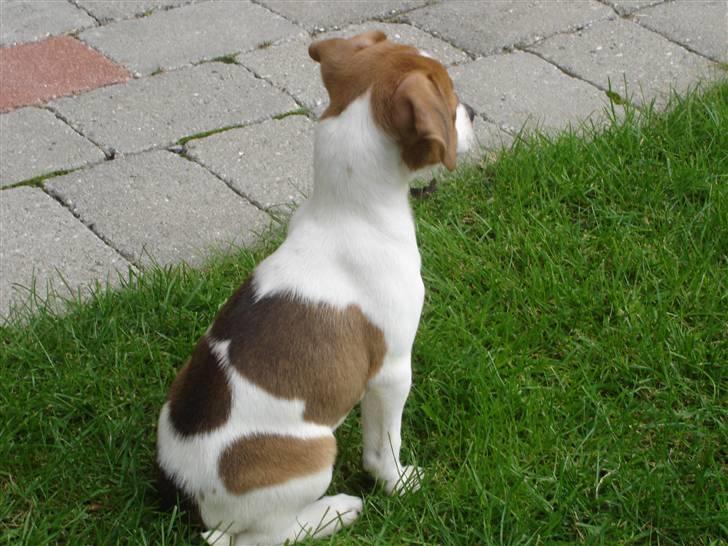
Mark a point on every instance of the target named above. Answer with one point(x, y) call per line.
point(412, 96)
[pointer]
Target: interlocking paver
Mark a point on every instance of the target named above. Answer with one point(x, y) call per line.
point(289, 66)
point(113, 10)
point(43, 243)
point(517, 89)
point(159, 207)
point(177, 37)
point(489, 27)
point(34, 142)
point(626, 7)
point(37, 72)
point(621, 51)
point(159, 110)
point(699, 25)
point(28, 21)
point(405, 34)
point(271, 163)
point(488, 136)
point(317, 15)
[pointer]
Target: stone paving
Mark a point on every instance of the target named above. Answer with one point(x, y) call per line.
point(141, 132)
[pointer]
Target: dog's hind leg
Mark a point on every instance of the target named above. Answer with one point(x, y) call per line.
point(322, 518)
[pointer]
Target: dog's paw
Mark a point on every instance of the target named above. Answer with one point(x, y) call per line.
point(345, 507)
point(408, 481)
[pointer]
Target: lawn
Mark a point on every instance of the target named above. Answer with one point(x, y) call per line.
point(571, 365)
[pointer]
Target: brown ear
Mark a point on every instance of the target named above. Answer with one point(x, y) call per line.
point(421, 115)
point(324, 49)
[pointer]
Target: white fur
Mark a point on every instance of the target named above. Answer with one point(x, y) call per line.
point(352, 242)
point(464, 129)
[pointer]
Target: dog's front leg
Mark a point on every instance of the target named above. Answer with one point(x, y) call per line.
point(382, 408)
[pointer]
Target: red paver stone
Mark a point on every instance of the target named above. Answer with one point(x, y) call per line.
point(40, 71)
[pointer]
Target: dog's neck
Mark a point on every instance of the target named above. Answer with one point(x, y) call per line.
point(357, 169)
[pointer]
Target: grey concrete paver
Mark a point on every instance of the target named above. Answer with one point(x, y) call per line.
point(627, 7)
point(317, 15)
point(113, 10)
point(271, 163)
point(620, 51)
point(405, 34)
point(288, 65)
point(34, 142)
point(159, 207)
point(43, 246)
point(488, 136)
point(29, 21)
point(488, 27)
point(519, 89)
point(178, 37)
point(159, 110)
point(697, 24)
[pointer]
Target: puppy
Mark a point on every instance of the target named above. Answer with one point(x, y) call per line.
point(326, 321)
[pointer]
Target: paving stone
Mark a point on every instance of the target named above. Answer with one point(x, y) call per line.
point(489, 137)
point(43, 243)
point(37, 72)
point(627, 7)
point(517, 89)
point(34, 142)
point(698, 25)
point(28, 21)
point(159, 110)
point(405, 34)
point(288, 65)
point(174, 38)
point(488, 27)
point(317, 15)
point(271, 162)
point(113, 10)
point(157, 207)
point(618, 51)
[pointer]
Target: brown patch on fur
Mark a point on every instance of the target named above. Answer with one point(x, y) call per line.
point(413, 99)
point(267, 459)
point(294, 350)
point(200, 397)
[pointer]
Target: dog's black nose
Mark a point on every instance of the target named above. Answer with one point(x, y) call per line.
point(470, 111)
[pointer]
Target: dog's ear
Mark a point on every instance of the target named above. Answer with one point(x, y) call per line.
point(421, 115)
point(334, 48)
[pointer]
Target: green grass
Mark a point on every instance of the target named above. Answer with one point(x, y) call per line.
point(570, 367)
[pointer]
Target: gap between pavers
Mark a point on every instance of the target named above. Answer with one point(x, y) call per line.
point(318, 15)
point(518, 90)
point(189, 34)
point(34, 142)
point(42, 244)
point(36, 20)
point(289, 66)
point(271, 163)
point(701, 26)
point(637, 63)
point(159, 110)
point(484, 28)
point(109, 10)
point(157, 207)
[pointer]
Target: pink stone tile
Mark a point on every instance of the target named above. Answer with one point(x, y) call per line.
point(38, 72)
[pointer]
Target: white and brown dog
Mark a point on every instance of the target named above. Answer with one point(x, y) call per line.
point(326, 321)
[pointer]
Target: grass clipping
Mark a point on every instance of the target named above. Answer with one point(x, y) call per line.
point(570, 368)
